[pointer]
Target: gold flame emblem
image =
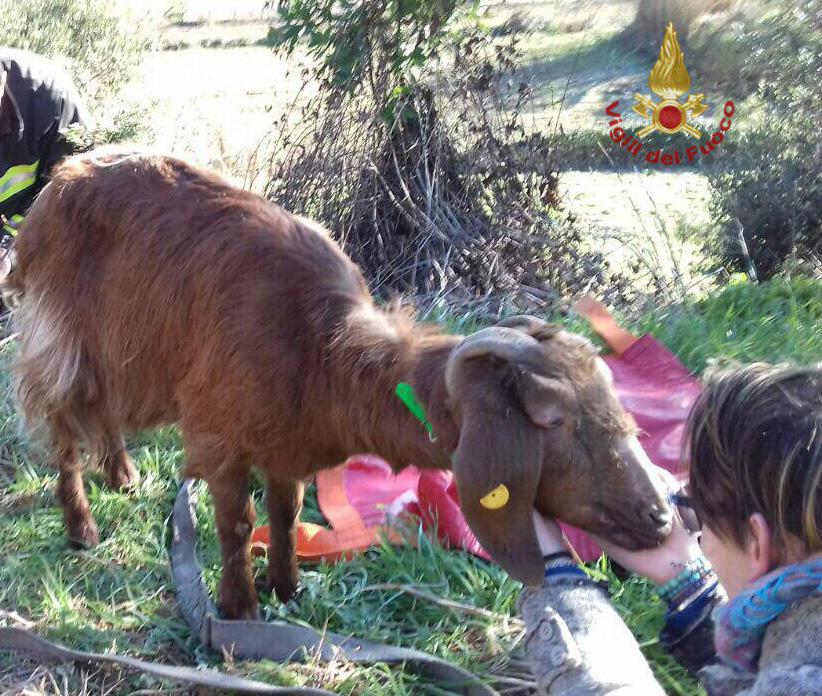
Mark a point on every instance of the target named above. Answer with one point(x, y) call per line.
point(670, 80)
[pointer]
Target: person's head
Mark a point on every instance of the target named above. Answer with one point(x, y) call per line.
point(754, 439)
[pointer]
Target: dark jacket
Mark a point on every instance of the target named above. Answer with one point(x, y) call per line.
point(39, 104)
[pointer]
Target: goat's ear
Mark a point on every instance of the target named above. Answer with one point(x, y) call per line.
point(546, 400)
point(497, 468)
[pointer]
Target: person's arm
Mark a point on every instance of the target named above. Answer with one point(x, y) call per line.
point(688, 633)
point(684, 579)
point(576, 642)
point(687, 584)
point(689, 587)
point(60, 111)
point(70, 114)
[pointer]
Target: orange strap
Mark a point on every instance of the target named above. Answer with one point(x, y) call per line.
point(602, 321)
point(348, 537)
point(316, 544)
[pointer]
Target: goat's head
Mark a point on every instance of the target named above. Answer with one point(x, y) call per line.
point(540, 427)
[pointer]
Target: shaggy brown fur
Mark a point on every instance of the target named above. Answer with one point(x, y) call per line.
point(154, 292)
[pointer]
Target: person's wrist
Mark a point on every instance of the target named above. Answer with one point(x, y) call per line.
point(557, 558)
point(667, 570)
point(675, 559)
point(550, 547)
point(560, 565)
point(693, 577)
point(549, 535)
point(659, 565)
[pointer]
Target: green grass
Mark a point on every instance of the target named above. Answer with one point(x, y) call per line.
point(120, 596)
point(777, 321)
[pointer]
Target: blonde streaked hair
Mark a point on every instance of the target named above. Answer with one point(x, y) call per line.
point(754, 439)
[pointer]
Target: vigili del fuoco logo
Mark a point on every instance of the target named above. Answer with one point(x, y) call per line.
point(673, 113)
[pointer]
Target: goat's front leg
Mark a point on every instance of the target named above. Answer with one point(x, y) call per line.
point(234, 511)
point(284, 500)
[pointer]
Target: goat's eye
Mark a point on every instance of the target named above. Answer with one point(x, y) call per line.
point(554, 422)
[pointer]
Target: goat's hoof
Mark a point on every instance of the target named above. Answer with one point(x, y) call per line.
point(123, 476)
point(83, 536)
point(241, 613)
point(289, 595)
point(286, 590)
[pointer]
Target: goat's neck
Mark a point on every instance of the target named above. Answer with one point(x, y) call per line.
point(377, 422)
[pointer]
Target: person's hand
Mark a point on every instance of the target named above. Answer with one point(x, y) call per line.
point(549, 535)
point(659, 564)
point(664, 562)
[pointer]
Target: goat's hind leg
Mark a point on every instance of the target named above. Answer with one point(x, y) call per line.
point(80, 526)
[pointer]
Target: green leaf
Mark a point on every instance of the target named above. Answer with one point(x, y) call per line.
point(417, 57)
point(388, 113)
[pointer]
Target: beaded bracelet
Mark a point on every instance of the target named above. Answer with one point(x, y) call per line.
point(688, 594)
point(693, 574)
point(693, 577)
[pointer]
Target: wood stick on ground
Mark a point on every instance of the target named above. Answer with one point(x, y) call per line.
point(16, 619)
point(445, 603)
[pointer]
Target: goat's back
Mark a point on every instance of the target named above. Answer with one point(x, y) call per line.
point(155, 291)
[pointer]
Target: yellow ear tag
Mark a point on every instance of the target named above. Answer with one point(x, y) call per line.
point(496, 499)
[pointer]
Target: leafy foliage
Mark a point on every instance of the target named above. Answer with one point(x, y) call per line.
point(344, 37)
point(101, 43)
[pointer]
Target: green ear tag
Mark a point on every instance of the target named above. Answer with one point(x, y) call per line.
point(405, 392)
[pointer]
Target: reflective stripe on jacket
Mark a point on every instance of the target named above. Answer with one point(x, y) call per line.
point(37, 107)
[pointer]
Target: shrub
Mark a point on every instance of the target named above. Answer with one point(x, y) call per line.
point(347, 38)
point(769, 192)
point(770, 198)
point(101, 45)
point(416, 156)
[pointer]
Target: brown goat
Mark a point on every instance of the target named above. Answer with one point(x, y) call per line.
point(153, 292)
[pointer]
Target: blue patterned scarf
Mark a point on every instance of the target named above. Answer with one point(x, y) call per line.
point(742, 622)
